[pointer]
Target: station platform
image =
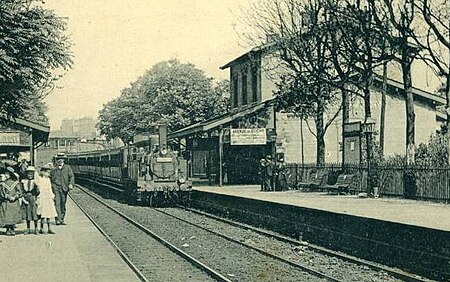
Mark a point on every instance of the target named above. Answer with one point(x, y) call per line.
point(411, 235)
point(77, 252)
point(410, 212)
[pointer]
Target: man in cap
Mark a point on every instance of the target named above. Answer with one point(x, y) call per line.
point(62, 180)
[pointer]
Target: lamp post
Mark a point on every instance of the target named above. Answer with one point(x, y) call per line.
point(368, 127)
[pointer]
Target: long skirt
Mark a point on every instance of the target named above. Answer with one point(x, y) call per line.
point(10, 213)
point(46, 207)
point(29, 211)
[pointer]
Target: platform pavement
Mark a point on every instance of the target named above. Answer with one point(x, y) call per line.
point(77, 252)
point(418, 213)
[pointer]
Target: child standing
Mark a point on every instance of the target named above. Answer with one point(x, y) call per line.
point(46, 205)
point(30, 191)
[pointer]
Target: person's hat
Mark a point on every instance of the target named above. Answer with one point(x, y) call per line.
point(46, 167)
point(30, 168)
point(60, 156)
point(10, 169)
point(12, 172)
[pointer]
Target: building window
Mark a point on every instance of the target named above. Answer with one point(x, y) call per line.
point(235, 92)
point(254, 84)
point(244, 89)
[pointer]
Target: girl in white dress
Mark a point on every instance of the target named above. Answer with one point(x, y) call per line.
point(45, 201)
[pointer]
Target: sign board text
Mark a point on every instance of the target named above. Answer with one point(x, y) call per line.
point(248, 136)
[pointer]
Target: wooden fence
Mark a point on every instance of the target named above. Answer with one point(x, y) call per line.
point(432, 183)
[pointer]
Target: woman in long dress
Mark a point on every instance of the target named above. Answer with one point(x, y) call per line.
point(10, 193)
point(45, 200)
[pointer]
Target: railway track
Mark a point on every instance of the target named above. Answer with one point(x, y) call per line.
point(298, 254)
point(283, 270)
point(150, 256)
point(248, 236)
point(259, 250)
point(398, 273)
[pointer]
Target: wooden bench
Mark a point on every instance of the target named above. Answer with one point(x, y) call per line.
point(342, 184)
point(316, 180)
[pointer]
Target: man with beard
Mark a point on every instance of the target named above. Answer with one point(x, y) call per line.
point(62, 180)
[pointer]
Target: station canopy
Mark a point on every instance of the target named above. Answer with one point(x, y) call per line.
point(17, 135)
point(222, 120)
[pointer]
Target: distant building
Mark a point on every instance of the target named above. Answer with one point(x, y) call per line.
point(82, 128)
point(74, 135)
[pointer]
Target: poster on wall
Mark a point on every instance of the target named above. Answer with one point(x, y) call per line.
point(248, 136)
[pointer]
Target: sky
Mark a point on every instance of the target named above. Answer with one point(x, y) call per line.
point(116, 41)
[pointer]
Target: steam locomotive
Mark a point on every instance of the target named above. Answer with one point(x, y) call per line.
point(147, 172)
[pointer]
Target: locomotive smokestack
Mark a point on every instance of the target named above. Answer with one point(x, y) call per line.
point(162, 136)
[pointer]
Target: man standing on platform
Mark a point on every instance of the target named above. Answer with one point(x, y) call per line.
point(270, 170)
point(62, 180)
point(262, 173)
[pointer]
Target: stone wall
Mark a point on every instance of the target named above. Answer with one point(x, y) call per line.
point(420, 250)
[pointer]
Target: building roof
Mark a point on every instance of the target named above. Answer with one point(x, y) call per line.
point(218, 121)
point(40, 132)
point(249, 55)
point(63, 135)
point(422, 94)
point(417, 92)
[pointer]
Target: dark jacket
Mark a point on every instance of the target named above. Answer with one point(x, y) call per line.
point(62, 178)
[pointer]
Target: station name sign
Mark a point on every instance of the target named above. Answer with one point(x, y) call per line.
point(9, 138)
point(248, 136)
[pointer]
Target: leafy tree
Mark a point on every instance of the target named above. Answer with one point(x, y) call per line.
point(117, 118)
point(33, 48)
point(35, 111)
point(172, 92)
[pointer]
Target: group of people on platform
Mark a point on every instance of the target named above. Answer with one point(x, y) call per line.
point(32, 195)
point(273, 176)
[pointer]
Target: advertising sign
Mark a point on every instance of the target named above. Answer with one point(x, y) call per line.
point(248, 136)
point(9, 138)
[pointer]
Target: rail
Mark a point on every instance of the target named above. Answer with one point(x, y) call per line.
point(216, 275)
point(392, 271)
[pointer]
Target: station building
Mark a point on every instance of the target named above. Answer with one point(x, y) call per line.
point(254, 128)
point(19, 138)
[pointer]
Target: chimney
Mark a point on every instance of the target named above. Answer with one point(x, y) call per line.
point(162, 130)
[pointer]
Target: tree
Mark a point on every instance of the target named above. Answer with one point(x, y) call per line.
point(436, 15)
point(117, 118)
point(401, 33)
point(172, 92)
point(35, 111)
point(33, 48)
point(298, 42)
